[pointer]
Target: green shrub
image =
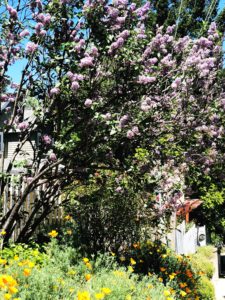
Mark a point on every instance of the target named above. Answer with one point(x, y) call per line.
point(175, 271)
point(201, 261)
point(206, 289)
point(207, 251)
point(147, 271)
point(32, 252)
point(66, 275)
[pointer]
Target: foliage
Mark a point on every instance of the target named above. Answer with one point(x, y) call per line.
point(212, 209)
point(207, 251)
point(59, 271)
point(113, 210)
point(110, 93)
point(206, 288)
point(173, 270)
point(32, 252)
point(66, 275)
point(192, 16)
point(201, 261)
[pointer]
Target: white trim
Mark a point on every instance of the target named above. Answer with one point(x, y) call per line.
point(1, 142)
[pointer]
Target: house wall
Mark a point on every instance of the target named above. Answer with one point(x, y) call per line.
point(4, 115)
point(11, 141)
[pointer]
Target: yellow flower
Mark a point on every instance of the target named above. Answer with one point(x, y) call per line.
point(7, 280)
point(122, 258)
point(13, 290)
point(31, 264)
point(149, 286)
point(89, 266)
point(3, 261)
point(132, 261)
point(162, 269)
point(26, 272)
point(106, 291)
point(171, 276)
point(113, 254)
point(3, 232)
point(99, 296)
point(7, 296)
point(128, 297)
point(160, 279)
point(87, 276)
point(68, 218)
point(71, 272)
point(164, 255)
point(130, 269)
point(183, 294)
point(69, 232)
point(85, 260)
point(83, 296)
point(53, 234)
point(119, 273)
point(166, 293)
point(169, 298)
point(16, 257)
point(35, 252)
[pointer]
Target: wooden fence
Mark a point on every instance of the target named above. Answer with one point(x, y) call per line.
point(13, 191)
point(187, 242)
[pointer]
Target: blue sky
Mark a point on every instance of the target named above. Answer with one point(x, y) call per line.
point(15, 70)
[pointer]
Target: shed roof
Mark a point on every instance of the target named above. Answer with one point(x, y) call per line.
point(188, 206)
point(4, 105)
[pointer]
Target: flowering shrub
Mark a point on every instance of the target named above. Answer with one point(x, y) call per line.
point(175, 271)
point(65, 274)
point(102, 84)
point(149, 271)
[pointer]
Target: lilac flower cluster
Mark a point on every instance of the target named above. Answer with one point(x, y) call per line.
point(39, 29)
point(46, 139)
point(31, 48)
point(24, 33)
point(12, 12)
point(54, 91)
point(142, 79)
point(75, 78)
point(123, 121)
point(80, 45)
point(133, 132)
point(86, 62)
point(142, 12)
point(23, 126)
point(148, 104)
point(45, 19)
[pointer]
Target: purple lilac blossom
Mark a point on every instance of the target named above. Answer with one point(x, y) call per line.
point(23, 126)
point(88, 103)
point(87, 62)
point(31, 47)
point(54, 91)
point(142, 79)
point(46, 139)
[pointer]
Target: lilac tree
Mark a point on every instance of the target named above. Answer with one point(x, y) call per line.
point(111, 95)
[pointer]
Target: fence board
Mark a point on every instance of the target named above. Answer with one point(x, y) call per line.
point(14, 191)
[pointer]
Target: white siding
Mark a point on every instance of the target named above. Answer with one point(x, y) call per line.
point(25, 153)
